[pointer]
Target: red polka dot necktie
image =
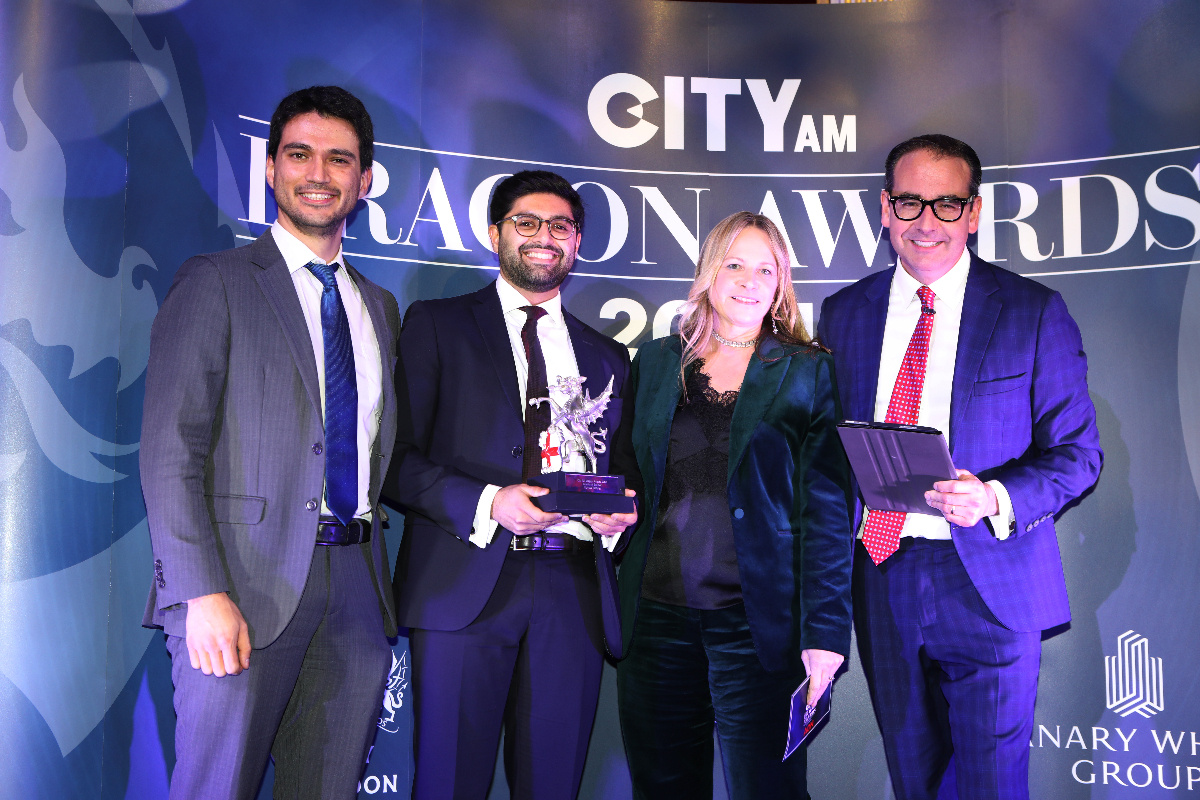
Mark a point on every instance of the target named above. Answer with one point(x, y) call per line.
point(881, 536)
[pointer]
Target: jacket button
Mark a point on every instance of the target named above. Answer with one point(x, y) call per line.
point(1028, 528)
point(317, 449)
point(311, 505)
point(518, 451)
point(738, 513)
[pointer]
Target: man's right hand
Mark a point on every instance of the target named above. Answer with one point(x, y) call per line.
point(218, 640)
point(513, 509)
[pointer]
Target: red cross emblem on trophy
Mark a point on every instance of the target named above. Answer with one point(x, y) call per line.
point(551, 454)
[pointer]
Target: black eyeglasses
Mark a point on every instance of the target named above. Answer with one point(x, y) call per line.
point(908, 207)
point(528, 225)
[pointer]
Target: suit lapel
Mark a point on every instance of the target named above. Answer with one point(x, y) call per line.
point(666, 391)
point(587, 357)
point(981, 309)
point(490, 318)
point(760, 386)
point(865, 347)
point(277, 286)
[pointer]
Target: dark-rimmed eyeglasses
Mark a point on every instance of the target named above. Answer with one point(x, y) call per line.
point(528, 225)
point(908, 207)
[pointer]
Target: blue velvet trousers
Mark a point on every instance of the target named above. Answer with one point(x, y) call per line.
point(685, 670)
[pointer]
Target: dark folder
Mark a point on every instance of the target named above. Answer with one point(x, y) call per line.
point(804, 720)
point(896, 464)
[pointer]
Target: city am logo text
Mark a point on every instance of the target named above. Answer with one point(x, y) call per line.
point(1133, 679)
point(772, 108)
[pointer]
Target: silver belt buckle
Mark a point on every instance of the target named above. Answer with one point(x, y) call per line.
point(528, 541)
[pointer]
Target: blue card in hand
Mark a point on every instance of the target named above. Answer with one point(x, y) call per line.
point(804, 720)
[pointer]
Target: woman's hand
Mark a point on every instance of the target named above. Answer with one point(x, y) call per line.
point(821, 666)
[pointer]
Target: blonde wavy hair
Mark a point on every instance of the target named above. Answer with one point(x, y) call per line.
point(698, 318)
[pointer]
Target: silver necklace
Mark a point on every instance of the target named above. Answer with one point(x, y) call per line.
point(733, 343)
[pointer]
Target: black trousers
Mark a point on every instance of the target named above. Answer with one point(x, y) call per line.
point(529, 664)
point(687, 668)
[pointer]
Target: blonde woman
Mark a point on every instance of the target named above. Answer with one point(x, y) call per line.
point(736, 583)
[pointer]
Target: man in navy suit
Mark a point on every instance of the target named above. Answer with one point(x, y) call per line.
point(949, 608)
point(510, 606)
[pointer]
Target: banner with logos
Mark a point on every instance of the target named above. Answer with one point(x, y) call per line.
point(135, 136)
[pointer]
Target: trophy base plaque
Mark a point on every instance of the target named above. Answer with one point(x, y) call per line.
point(574, 494)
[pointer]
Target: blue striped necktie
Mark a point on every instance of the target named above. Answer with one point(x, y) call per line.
point(341, 399)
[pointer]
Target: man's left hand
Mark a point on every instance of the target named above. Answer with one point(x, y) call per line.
point(965, 501)
point(612, 524)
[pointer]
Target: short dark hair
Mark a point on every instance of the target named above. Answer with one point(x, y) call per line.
point(328, 101)
point(942, 146)
point(533, 181)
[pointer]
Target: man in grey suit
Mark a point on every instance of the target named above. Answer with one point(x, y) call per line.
point(268, 426)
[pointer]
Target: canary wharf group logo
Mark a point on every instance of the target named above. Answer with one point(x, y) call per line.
point(1133, 679)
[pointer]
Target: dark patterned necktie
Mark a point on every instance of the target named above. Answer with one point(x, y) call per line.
point(881, 536)
point(341, 399)
point(537, 417)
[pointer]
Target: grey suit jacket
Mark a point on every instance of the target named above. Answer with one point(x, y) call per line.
point(232, 454)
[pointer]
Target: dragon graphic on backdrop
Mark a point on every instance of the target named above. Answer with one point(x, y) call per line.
point(93, 607)
point(68, 304)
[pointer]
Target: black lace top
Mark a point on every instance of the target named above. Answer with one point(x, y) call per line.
point(691, 561)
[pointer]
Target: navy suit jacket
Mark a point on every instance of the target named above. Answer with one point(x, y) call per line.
point(789, 494)
point(1019, 413)
point(460, 428)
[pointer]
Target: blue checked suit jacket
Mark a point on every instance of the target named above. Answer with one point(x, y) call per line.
point(1019, 413)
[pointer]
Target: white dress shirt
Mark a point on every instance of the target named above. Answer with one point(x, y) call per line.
point(904, 311)
point(560, 362)
point(367, 366)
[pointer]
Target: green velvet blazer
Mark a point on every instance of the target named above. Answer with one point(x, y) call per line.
point(789, 491)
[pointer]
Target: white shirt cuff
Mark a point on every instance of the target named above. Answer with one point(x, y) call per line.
point(484, 527)
point(1003, 522)
point(572, 527)
point(610, 542)
point(582, 532)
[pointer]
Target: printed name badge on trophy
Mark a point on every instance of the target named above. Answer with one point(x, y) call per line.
point(573, 411)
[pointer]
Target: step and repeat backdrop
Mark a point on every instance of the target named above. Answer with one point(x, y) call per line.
point(135, 136)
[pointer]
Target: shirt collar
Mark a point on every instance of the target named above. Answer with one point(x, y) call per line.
point(948, 289)
point(512, 300)
point(295, 252)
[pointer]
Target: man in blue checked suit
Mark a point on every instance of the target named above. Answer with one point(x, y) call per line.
point(949, 608)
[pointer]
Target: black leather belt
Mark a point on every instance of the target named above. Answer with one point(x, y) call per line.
point(558, 542)
point(333, 533)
